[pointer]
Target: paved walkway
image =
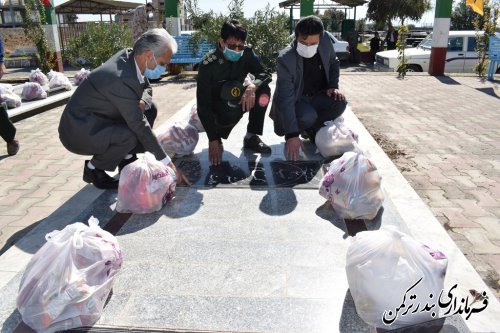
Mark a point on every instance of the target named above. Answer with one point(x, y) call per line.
point(448, 131)
point(445, 133)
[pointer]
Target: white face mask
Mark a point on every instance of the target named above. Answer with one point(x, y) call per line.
point(306, 51)
point(150, 15)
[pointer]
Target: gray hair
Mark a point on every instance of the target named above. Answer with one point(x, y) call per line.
point(156, 40)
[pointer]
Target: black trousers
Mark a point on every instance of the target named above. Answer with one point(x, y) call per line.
point(313, 112)
point(7, 129)
point(228, 114)
point(123, 142)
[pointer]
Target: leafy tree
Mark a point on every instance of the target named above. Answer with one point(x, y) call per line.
point(98, 43)
point(387, 10)
point(401, 47)
point(332, 19)
point(462, 17)
point(34, 19)
point(488, 24)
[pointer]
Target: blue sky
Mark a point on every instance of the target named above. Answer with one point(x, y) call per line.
point(252, 5)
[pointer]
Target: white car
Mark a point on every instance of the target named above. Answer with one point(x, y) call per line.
point(461, 55)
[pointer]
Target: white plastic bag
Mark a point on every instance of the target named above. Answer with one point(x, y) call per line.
point(180, 139)
point(352, 186)
point(68, 280)
point(381, 268)
point(194, 119)
point(8, 96)
point(335, 138)
point(32, 91)
point(59, 80)
point(145, 186)
point(36, 75)
point(81, 75)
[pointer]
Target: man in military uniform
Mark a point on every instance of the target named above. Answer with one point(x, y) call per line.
point(225, 92)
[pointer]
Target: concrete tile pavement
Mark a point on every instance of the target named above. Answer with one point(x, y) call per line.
point(444, 138)
point(44, 175)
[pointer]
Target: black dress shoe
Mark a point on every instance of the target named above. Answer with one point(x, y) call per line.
point(126, 162)
point(99, 178)
point(255, 143)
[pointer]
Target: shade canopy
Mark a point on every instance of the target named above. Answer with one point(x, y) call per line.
point(95, 6)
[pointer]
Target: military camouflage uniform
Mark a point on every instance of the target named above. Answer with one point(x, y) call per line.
point(219, 115)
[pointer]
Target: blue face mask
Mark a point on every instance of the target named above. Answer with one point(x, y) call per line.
point(232, 55)
point(156, 72)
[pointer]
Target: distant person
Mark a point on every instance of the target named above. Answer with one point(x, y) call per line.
point(391, 38)
point(143, 14)
point(375, 45)
point(307, 88)
point(111, 113)
point(7, 128)
point(222, 99)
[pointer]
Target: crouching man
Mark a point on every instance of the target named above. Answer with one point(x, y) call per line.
point(223, 98)
point(111, 114)
point(307, 87)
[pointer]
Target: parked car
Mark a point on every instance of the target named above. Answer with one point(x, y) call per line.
point(461, 55)
point(342, 49)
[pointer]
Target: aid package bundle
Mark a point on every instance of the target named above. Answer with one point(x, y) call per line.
point(68, 280)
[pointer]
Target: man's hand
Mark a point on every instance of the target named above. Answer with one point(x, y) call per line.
point(142, 106)
point(248, 99)
point(215, 150)
point(292, 148)
point(335, 94)
point(180, 177)
point(3, 70)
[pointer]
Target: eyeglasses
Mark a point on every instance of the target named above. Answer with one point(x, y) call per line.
point(236, 46)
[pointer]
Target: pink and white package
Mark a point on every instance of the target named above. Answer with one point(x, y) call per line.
point(335, 138)
point(59, 80)
point(36, 75)
point(352, 185)
point(81, 75)
point(194, 119)
point(145, 186)
point(68, 280)
point(32, 91)
point(180, 139)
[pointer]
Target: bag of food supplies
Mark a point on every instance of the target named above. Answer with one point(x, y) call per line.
point(36, 75)
point(68, 280)
point(194, 119)
point(145, 186)
point(59, 80)
point(8, 96)
point(389, 274)
point(180, 139)
point(32, 91)
point(81, 75)
point(335, 138)
point(352, 186)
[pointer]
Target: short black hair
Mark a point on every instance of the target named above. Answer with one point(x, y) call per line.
point(234, 29)
point(309, 25)
point(149, 4)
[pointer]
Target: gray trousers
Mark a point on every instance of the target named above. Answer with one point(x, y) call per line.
point(123, 142)
point(313, 112)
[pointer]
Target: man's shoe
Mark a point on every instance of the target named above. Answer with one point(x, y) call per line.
point(12, 147)
point(99, 178)
point(126, 162)
point(255, 143)
point(309, 134)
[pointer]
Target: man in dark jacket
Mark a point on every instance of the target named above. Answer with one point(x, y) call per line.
point(223, 95)
point(111, 113)
point(307, 89)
